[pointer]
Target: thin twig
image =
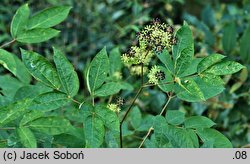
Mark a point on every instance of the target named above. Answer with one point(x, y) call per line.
point(76, 101)
point(150, 85)
point(8, 128)
point(131, 105)
point(144, 139)
point(165, 106)
point(110, 99)
point(142, 82)
point(93, 100)
point(6, 44)
point(151, 128)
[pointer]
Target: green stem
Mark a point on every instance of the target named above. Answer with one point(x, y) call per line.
point(130, 107)
point(75, 101)
point(142, 82)
point(6, 44)
point(151, 128)
point(8, 128)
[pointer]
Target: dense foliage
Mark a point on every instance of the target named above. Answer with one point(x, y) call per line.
point(124, 74)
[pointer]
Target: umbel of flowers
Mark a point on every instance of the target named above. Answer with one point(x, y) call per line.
point(153, 38)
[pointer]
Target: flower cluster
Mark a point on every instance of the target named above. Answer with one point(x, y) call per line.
point(155, 75)
point(158, 36)
point(153, 38)
point(115, 107)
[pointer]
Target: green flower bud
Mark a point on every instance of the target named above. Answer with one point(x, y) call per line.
point(114, 107)
point(155, 75)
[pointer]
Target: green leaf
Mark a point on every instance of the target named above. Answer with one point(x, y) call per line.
point(198, 122)
point(66, 73)
point(112, 139)
point(13, 111)
point(166, 59)
point(94, 131)
point(204, 85)
point(177, 137)
point(167, 84)
point(95, 120)
point(209, 89)
point(160, 129)
point(98, 70)
point(108, 117)
point(30, 91)
point(183, 51)
point(108, 89)
point(191, 90)
point(225, 68)
point(8, 61)
point(229, 37)
point(244, 46)
point(41, 69)
point(209, 61)
point(192, 68)
point(146, 123)
point(213, 137)
point(115, 61)
point(126, 86)
point(185, 41)
point(37, 35)
point(193, 137)
point(19, 21)
point(135, 117)
point(32, 115)
point(50, 125)
point(49, 17)
point(212, 79)
point(9, 86)
point(69, 141)
point(184, 60)
point(22, 72)
point(27, 137)
point(50, 101)
point(175, 117)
